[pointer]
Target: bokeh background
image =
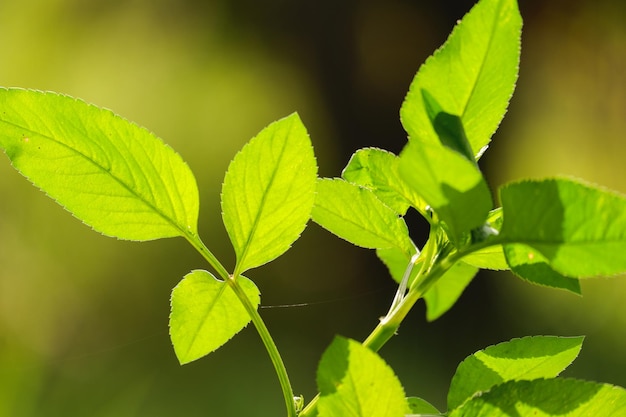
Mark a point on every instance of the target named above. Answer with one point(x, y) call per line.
point(83, 318)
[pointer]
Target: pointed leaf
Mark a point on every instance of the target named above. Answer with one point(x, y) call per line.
point(449, 183)
point(472, 75)
point(420, 407)
point(447, 290)
point(579, 229)
point(206, 314)
point(519, 359)
point(113, 175)
point(355, 382)
point(355, 214)
point(547, 398)
point(268, 192)
point(377, 170)
point(397, 262)
point(533, 267)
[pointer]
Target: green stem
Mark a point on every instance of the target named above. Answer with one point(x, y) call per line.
point(270, 346)
point(258, 322)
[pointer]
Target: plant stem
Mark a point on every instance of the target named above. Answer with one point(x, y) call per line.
point(270, 346)
point(258, 322)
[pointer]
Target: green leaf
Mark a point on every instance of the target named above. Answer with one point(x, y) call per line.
point(113, 175)
point(420, 406)
point(472, 75)
point(447, 290)
point(547, 398)
point(579, 229)
point(206, 313)
point(355, 382)
point(268, 192)
point(377, 170)
point(519, 359)
point(490, 257)
point(355, 214)
point(533, 267)
point(452, 185)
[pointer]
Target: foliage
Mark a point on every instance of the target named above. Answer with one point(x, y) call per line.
point(124, 182)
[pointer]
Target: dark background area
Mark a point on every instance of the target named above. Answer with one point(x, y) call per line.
point(83, 318)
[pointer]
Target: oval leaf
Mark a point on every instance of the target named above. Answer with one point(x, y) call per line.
point(355, 382)
point(547, 398)
point(355, 214)
point(472, 75)
point(206, 314)
point(268, 192)
point(519, 359)
point(447, 290)
point(113, 175)
point(579, 229)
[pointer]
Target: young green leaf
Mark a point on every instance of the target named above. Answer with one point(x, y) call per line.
point(519, 359)
point(420, 407)
point(547, 398)
point(397, 262)
point(377, 170)
point(447, 290)
point(206, 313)
point(472, 75)
point(113, 175)
point(355, 214)
point(579, 230)
point(532, 266)
point(355, 382)
point(268, 192)
point(451, 184)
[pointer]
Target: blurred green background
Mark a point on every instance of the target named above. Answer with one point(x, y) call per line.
point(83, 318)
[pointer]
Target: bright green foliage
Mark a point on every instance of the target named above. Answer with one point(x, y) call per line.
point(450, 183)
point(519, 359)
point(579, 229)
point(547, 398)
point(268, 192)
point(206, 314)
point(471, 76)
point(113, 175)
point(355, 214)
point(444, 293)
point(420, 406)
point(377, 170)
point(532, 266)
point(355, 382)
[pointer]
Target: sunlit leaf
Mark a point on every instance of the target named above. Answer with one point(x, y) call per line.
point(206, 314)
point(355, 214)
point(419, 407)
point(451, 184)
point(472, 75)
point(519, 359)
point(580, 230)
point(268, 192)
point(355, 382)
point(377, 170)
point(447, 290)
point(547, 398)
point(113, 175)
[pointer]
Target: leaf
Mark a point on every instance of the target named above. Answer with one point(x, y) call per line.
point(355, 214)
point(547, 398)
point(113, 175)
point(579, 229)
point(519, 359)
point(533, 267)
point(268, 192)
point(472, 75)
point(452, 185)
point(419, 406)
point(377, 170)
point(206, 314)
point(447, 290)
point(490, 257)
point(355, 382)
